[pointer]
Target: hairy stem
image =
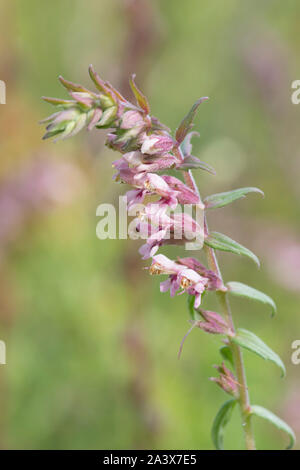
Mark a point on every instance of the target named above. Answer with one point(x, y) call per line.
point(244, 401)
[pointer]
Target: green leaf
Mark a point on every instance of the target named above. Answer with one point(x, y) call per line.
point(242, 290)
point(278, 422)
point(191, 163)
point(194, 313)
point(226, 353)
point(248, 340)
point(220, 421)
point(140, 98)
point(191, 301)
point(218, 241)
point(222, 199)
point(187, 122)
point(58, 101)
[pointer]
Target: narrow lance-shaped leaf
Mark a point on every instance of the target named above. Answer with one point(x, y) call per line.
point(218, 241)
point(242, 290)
point(58, 101)
point(98, 82)
point(248, 340)
point(101, 85)
point(278, 422)
point(72, 86)
point(220, 421)
point(222, 199)
point(187, 122)
point(139, 96)
point(191, 163)
point(226, 353)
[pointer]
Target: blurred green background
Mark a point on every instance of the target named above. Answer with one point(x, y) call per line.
point(91, 343)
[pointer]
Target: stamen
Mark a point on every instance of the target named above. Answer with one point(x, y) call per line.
point(155, 269)
point(185, 283)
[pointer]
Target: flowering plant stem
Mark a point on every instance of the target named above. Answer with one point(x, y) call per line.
point(213, 264)
point(148, 149)
point(240, 373)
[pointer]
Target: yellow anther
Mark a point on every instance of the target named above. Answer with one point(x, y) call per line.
point(185, 283)
point(155, 269)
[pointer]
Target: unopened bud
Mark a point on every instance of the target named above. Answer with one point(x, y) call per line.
point(226, 380)
point(213, 323)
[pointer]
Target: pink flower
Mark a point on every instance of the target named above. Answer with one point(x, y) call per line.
point(185, 194)
point(134, 158)
point(150, 163)
point(154, 241)
point(157, 144)
point(155, 164)
point(174, 229)
point(124, 174)
point(214, 282)
point(179, 277)
point(156, 184)
point(147, 183)
point(163, 265)
point(135, 196)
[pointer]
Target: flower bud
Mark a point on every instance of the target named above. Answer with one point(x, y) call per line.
point(213, 323)
point(226, 380)
point(157, 144)
point(132, 119)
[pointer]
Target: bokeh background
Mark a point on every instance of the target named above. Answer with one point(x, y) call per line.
point(91, 343)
